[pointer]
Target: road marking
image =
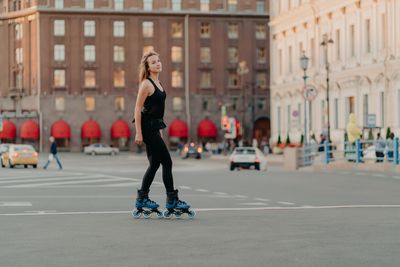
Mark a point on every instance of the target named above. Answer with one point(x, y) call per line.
point(261, 199)
point(52, 179)
point(202, 190)
point(286, 203)
point(15, 204)
point(253, 204)
point(220, 193)
point(185, 187)
point(206, 209)
point(240, 196)
point(64, 183)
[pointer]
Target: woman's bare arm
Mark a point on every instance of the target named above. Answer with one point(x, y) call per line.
point(144, 91)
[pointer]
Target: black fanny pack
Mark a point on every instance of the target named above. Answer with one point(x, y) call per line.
point(154, 124)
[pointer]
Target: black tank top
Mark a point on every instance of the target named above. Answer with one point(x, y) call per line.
point(154, 105)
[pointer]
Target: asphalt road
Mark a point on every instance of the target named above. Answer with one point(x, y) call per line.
point(80, 216)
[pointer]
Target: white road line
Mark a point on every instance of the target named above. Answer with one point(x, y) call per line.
point(253, 204)
point(15, 204)
point(185, 187)
point(261, 199)
point(220, 193)
point(286, 203)
point(30, 176)
point(63, 183)
point(207, 209)
point(54, 179)
point(202, 190)
point(241, 196)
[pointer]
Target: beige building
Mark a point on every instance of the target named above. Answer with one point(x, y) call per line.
point(70, 67)
point(364, 60)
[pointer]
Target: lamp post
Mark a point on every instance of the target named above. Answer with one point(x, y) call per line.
point(304, 65)
point(325, 43)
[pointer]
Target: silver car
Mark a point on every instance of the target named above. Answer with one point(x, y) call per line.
point(100, 149)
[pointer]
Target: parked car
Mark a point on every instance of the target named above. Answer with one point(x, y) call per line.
point(100, 149)
point(191, 150)
point(247, 157)
point(19, 155)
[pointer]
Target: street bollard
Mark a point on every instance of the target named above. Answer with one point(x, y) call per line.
point(358, 151)
point(396, 151)
point(326, 149)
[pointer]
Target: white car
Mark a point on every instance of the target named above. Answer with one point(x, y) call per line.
point(100, 149)
point(246, 157)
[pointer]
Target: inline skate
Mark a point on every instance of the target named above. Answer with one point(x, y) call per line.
point(177, 207)
point(145, 206)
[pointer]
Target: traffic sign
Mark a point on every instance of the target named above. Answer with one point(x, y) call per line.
point(309, 92)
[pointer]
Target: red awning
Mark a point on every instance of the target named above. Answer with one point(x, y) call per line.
point(120, 129)
point(61, 130)
point(207, 129)
point(90, 129)
point(178, 128)
point(9, 130)
point(30, 130)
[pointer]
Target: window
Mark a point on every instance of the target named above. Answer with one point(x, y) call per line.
point(205, 79)
point(176, 30)
point(148, 29)
point(205, 55)
point(90, 53)
point(261, 32)
point(382, 35)
point(261, 80)
point(382, 108)
point(312, 52)
point(90, 78)
point(148, 48)
point(365, 110)
point(89, 4)
point(147, 5)
point(336, 107)
point(119, 53)
point(290, 59)
point(119, 103)
point(18, 31)
point(368, 36)
point(119, 28)
point(176, 5)
point(18, 79)
point(59, 4)
point(59, 78)
point(59, 27)
point(205, 30)
point(233, 55)
point(261, 104)
point(337, 44)
point(323, 113)
point(119, 78)
point(278, 116)
point(89, 28)
point(118, 4)
point(260, 6)
point(280, 62)
point(176, 54)
point(60, 103)
point(232, 5)
point(90, 103)
point(205, 105)
point(288, 116)
point(352, 41)
point(59, 52)
point(177, 104)
point(205, 5)
point(261, 57)
point(177, 80)
point(233, 31)
point(233, 80)
point(19, 55)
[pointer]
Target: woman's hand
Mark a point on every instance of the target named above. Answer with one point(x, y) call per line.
point(139, 138)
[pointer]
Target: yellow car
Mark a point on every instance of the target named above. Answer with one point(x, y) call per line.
point(20, 155)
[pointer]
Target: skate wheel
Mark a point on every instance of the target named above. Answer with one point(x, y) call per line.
point(160, 215)
point(147, 215)
point(191, 214)
point(136, 214)
point(166, 214)
point(178, 215)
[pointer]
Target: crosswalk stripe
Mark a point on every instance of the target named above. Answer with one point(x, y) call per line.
point(52, 179)
point(65, 183)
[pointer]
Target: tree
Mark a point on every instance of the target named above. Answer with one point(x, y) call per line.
point(279, 140)
point(388, 133)
point(287, 139)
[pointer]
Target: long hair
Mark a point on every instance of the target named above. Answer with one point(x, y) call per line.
point(144, 72)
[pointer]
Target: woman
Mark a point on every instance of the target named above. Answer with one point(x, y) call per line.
point(149, 113)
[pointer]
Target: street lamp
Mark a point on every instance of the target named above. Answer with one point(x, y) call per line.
point(325, 43)
point(304, 65)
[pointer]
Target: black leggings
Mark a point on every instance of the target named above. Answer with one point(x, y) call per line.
point(157, 153)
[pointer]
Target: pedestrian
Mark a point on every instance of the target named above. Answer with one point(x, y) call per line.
point(380, 146)
point(53, 154)
point(390, 145)
point(149, 114)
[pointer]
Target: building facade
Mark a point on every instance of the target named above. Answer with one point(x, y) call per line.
point(72, 66)
point(363, 53)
